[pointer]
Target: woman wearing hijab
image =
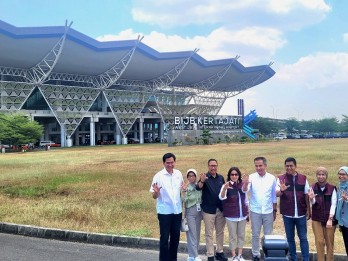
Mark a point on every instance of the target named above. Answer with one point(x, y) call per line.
point(342, 204)
point(323, 198)
point(192, 201)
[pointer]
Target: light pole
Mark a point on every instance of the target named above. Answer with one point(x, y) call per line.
point(272, 111)
point(299, 113)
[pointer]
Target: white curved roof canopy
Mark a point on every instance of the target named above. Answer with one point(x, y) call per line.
point(25, 47)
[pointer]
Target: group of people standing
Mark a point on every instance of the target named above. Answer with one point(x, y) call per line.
point(219, 202)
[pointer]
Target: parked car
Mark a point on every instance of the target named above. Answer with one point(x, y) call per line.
point(332, 136)
point(44, 143)
point(133, 141)
point(306, 136)
point(158, 139)
point(280, 136)
point(294, 136)
point(344, 135)
point(55, 145)
point(318, 135)
point(148, 140)
point(24, 147)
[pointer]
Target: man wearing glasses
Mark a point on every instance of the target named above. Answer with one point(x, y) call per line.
point(292, 189)
point(210, 183)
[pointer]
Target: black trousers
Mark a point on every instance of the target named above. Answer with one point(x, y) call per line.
point(169, 236)
point(344, 231)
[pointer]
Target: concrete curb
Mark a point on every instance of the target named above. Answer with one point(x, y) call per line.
point(111, 240)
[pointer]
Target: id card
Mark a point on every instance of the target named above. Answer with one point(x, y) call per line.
point(198, 207)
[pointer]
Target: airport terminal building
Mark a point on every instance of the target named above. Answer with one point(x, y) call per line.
point(86, 92)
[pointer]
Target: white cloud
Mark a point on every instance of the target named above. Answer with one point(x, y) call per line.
point(253, 44)
point(321, 70)
point(345, 38)
point(287, 6)
point(169, 13)
point(286, 14)
point(252, 29)
point(127, 34)
point(310, 88)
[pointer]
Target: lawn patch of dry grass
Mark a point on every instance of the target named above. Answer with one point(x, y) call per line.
point(106, 189)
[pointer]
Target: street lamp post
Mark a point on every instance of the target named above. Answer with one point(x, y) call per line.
point(274, 112)
point(299, 113)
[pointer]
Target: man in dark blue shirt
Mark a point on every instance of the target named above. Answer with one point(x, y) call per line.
point(210, 183)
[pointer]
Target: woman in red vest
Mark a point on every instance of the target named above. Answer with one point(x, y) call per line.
point(235, 210)
point(323, 198)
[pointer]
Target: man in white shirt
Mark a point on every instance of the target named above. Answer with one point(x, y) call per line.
point(263, 202)
point(165, 188)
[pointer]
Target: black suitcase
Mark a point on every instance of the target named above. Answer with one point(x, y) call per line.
point(275, 247)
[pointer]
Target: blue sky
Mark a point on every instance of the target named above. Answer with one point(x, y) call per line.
point(306, 39)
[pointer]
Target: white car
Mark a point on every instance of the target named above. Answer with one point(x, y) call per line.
point(280, 136)
point(44, 143)
point(306, 136)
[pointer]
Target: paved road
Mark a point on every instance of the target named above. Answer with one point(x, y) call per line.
point(20, 248)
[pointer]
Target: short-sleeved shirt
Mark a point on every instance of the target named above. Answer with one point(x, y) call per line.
point(169, 199)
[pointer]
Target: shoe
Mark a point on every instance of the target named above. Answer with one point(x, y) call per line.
point(211, 258)
point(240, 258)
point(235, 258)
point(190, 258)
point(221, 256)
point(197, 259)
point(256, 258)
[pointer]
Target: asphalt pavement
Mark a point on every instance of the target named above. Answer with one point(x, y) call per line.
point(25, 242)
point(22, 248)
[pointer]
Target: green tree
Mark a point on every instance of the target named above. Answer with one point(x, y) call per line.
point(264, 125)
point(308, 125)
point(206, 136)
point(344, 123)
point(316, 126)
point(17, 129)
point(292, 125)
point(328, 125)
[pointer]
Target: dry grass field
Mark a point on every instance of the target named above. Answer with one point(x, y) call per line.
point(105, 189)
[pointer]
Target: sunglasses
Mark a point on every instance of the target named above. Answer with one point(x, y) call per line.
point(232, 174)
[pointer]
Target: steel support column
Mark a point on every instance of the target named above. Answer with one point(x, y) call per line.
point(141, 130)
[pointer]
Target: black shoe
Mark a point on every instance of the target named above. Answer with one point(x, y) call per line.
point(211, 258)
point(256, 258)
point(221, 256)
